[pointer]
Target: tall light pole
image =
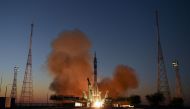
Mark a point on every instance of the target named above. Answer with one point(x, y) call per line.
point(178, 88)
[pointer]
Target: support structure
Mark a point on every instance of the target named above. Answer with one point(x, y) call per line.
point(14, 85)
point(162, 79)
point(27, 87)
point(178, 87)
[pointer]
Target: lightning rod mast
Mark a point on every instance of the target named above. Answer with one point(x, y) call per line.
point(162, 79)
point(27, 87)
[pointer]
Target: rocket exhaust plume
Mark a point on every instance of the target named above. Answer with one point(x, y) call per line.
point(70, 63)
point(123, 78)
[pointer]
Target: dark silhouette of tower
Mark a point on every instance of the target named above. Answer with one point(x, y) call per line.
point(178, 88)
point(14, 85)
point(27, 87)
point(162, 80)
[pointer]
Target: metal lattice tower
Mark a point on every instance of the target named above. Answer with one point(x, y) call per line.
point(14, 85)
point(162, 79)
point(27, 87)
point(178, 88)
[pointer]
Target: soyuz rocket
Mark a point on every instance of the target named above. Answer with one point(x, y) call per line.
point(94, 95)
point(95, 75)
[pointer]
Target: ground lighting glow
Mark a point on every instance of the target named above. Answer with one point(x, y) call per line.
point(98, 104)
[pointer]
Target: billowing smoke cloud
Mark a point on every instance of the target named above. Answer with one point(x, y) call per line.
point(124, 78)
point(70, 63)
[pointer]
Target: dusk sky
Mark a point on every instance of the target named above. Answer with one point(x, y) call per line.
point(121, 32)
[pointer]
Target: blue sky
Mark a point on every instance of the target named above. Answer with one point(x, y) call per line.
point(121, 32)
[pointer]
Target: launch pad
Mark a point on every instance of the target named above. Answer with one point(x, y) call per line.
point(91, 98)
